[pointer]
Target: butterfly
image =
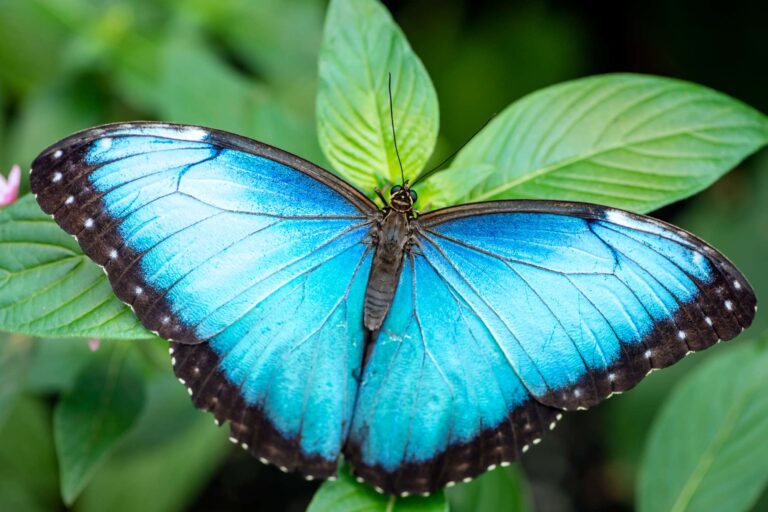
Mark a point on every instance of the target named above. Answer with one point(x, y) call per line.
point(424, 348)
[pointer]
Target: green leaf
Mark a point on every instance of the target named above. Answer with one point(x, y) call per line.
point(707, 450)
point(630, 141)
point(500, 489)
point(347, 495)
point(49, 288)
point(361, 45)
point(165, 461)
point(94, 416)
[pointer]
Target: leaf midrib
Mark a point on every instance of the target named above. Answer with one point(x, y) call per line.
point(526, 177)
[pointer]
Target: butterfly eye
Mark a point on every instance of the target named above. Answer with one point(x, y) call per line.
point(414, 196)
point(394, 190)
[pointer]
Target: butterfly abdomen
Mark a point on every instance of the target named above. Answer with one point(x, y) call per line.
point(391, 239)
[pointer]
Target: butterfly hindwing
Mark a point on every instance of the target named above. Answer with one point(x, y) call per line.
point(438, 402)
point(248, 258)
point(508, 312)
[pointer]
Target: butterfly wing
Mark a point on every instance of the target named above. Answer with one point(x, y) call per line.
point(510, 312)
point(248, 258)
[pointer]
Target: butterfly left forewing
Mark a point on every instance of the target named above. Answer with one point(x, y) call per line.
point(248, 258)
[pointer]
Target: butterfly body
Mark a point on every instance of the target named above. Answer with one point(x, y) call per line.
point(425, 349)
point(392, 237)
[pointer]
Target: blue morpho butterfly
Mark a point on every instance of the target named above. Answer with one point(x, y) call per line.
point(424, 348)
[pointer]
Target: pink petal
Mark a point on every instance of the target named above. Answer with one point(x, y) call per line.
point(93, 344)
point(9, 189)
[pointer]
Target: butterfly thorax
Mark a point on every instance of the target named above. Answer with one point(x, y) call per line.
point(391, 237)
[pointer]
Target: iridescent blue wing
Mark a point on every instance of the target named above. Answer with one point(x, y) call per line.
point(249, 259)
point(508, 313)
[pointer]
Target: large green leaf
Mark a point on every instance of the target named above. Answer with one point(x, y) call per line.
point(49, 288)
point(631, 141)
point(361, 46)
point(706, 450)
point(95, 415)
point(347, 495)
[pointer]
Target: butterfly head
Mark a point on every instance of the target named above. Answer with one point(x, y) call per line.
point(402, 197)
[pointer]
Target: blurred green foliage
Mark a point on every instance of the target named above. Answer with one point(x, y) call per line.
point(251, 67)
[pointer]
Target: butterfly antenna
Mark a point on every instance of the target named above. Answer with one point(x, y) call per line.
point(448, 159)
point(394, 137)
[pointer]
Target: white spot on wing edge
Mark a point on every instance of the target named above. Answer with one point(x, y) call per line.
point(88, 223)
point(681, 335)
point(70, 200)
point(191, 133)
point(58, 154)
point(737, 285)
point(709, 321)
point(616, 217)
point(729, 305)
